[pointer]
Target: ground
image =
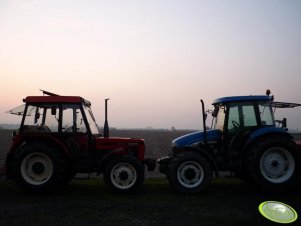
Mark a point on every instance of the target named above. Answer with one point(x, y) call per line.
point(228, 201)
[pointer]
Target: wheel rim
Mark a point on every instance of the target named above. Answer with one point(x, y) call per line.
point(277, 165)
point(123, 176)
point(190, 174)
point(36, 168)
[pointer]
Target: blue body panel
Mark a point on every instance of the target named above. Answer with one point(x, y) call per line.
point(266, 130)
point(196, 137)
point(242, 98)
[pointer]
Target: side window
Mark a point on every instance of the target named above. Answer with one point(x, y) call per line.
point(73, 120)
point(52, 118)
point(42, 118)
point(249, 117)
point(233, 117)
point(241, 115)
point(266, 115)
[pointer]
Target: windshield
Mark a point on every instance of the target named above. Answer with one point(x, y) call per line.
point(220, 117)
point(266, 114)
point(91, 120)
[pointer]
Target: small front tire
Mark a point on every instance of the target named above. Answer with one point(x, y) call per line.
point(124, 174)
point(189, 173)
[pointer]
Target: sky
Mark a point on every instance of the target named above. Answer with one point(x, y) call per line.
point(154, 59)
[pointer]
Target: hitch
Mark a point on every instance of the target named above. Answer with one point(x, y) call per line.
point(150, 164)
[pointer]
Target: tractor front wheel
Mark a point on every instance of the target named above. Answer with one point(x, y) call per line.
point(124, 174)
point(189, 173)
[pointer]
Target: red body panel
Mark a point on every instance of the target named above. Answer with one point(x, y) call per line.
point(121, 144)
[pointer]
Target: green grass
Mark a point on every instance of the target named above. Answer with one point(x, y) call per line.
point(88, 202)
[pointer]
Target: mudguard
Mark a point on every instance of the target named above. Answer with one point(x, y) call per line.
point(265, 131)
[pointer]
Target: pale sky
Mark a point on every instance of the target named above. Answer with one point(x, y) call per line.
point(154, 59)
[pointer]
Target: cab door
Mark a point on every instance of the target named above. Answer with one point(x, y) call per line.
point(74, 131)
point(241, 120)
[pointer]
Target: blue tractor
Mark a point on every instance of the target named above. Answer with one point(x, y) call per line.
point(243, 139)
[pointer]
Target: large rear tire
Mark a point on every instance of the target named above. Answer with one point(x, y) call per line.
point(273, 163)
point(189, 173)
point(124, 174)
point(39, 168)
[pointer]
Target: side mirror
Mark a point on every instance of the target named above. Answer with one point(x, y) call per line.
point(36, 117)
point(215, 111)
point(53, 111)
point(283, 122)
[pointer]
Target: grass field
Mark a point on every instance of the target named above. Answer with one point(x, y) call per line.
point(88, 202)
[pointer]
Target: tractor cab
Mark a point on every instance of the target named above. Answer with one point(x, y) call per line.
point(241, 118)
point(238, 117)
point(68, 115)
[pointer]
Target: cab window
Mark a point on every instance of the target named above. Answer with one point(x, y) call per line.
point(241, 115)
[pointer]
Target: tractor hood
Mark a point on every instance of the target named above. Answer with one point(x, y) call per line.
point(120, 145)
point(196, 137)
point(115, 141)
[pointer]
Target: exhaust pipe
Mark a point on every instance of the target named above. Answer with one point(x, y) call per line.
point(204, 116)
point(106, 124)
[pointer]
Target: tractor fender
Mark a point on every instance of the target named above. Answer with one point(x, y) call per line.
point(25, 139)
point(201, 152)
point(100, 168)
point(41, 138)
point(264, 132)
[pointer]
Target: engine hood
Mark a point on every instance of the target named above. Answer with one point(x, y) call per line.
point(118, 141)
point(196, 137)
point(121, 146)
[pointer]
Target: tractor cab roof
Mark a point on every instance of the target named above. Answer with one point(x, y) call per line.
point(255, 98)
point(50, 99)
point(56, 99)
point(242, 99)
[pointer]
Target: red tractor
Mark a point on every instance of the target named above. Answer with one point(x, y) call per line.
point(58, 137)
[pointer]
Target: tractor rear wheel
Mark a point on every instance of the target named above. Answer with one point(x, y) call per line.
point(189, 173)
point(124, 174)
point(273, 163)
point(39, 168)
